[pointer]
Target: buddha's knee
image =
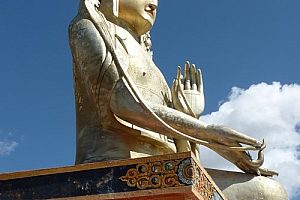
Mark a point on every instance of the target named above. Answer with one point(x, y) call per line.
point(241, 186)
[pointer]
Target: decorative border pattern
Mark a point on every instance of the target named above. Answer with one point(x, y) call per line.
point(159, 174)
point(170, 173)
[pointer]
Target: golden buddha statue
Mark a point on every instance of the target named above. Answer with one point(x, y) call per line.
point(124, 106)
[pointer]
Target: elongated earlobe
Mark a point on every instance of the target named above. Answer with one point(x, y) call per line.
point(116, 8)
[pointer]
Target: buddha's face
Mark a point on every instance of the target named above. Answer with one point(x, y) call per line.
point(139, 15)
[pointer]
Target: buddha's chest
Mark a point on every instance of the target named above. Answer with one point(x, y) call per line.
point(144, 73)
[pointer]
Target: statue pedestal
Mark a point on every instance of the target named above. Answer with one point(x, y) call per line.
point(169, 177)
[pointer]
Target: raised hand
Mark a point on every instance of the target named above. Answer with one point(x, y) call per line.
point(187, 91)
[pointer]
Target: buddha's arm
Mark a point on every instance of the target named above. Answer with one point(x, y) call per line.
point(88, 49)
point(124, 105)
point(219, 138)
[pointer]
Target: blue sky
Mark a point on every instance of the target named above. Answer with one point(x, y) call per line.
point(237, 43)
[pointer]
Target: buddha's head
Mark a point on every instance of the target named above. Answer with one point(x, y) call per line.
point(136, 15)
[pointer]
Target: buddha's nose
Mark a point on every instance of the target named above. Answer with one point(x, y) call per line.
point(153, 3)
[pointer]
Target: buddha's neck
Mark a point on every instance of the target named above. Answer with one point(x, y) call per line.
point(127, 27)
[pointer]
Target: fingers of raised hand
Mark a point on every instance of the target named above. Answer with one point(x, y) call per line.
point(178, 76)
point(187, 79)
point(177, 87)
point(192, 79)
point(199, 81)
point(174, 86)
point(178, 96)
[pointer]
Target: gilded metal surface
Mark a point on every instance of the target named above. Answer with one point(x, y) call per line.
point(120, 92)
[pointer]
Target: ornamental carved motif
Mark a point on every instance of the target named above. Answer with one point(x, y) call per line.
point(170, 173)
point(159, 174)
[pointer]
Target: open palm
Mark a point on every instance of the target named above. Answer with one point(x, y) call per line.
point(187, 91)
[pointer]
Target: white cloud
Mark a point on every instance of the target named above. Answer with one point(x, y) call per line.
point(6, 147)
point(7, 144)
point(270, 112)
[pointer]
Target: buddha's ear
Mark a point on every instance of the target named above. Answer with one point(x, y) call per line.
point(116, 8)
